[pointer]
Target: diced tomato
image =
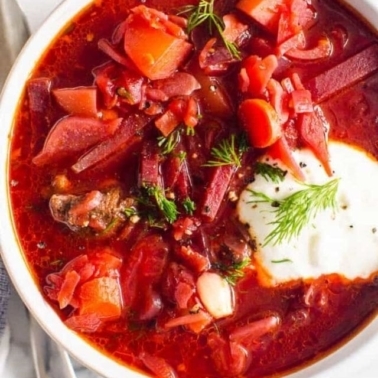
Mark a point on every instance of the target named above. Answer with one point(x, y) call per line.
point(73, 134)
point(160, 59)
point(158, 366)
point(280, 150)
point(260, 121)
point(259, 73)
point(313, 133)
point(321, 51)
point(101, 297)
point(265, 12)
point(215, 191)
point(81, 101)
point(185, 226)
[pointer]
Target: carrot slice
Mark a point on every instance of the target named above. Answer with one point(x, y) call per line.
point(260, 121)
point(155, 51)
point(259, 72)
point(280, 150)
point(101, 296)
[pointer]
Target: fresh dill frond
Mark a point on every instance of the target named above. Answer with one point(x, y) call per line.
point(189, 206)
point(124, 93)
point(130, 211)
point(281, 261)
point(233, 272)
point(168, 144)
point(269, 172)
point(166, 206)
point(182, 156)
point(297, 210)
point(190, 131)
point(204, 13)
point(228, 152)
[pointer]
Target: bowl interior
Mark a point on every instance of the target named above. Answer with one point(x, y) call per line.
point(355, 357)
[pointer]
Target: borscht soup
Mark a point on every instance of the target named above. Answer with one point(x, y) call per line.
point(193, 183)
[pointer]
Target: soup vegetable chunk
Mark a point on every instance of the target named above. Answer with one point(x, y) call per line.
point(193, 182)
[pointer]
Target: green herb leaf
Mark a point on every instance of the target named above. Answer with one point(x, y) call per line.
point(281, 261)
point(169, 143)
point(167, 207)
point(189, 206)
point(234, 272)
point(294, 212)
point(204, 13)
point(268, 172)
point(228, 152)
point(130, 211)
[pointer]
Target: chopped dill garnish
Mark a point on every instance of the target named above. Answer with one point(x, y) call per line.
point(269, 172)
point(169, 143)
point(181, 155)
point(189, 206)
point(281, 261)
point(124, 93)
point(297, 210)
point(167, 207)
point(233, 272)
point(204, 13)
point(228, 152)
point(130, 211)
point(190, 131)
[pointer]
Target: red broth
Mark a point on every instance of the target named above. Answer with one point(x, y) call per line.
point(150, 261)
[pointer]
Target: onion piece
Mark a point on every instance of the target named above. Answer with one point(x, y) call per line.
point(215, 294)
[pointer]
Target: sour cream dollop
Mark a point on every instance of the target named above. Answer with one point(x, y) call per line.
point(342, 240)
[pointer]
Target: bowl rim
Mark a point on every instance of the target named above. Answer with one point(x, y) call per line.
point(344, 361)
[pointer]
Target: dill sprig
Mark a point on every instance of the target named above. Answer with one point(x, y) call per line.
point(228, 152)
point(269, 172)
point(204, 13)
point(189, 205)
point(294, 212)
point(168, 144)
point(167, 207)
point(233, 272)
